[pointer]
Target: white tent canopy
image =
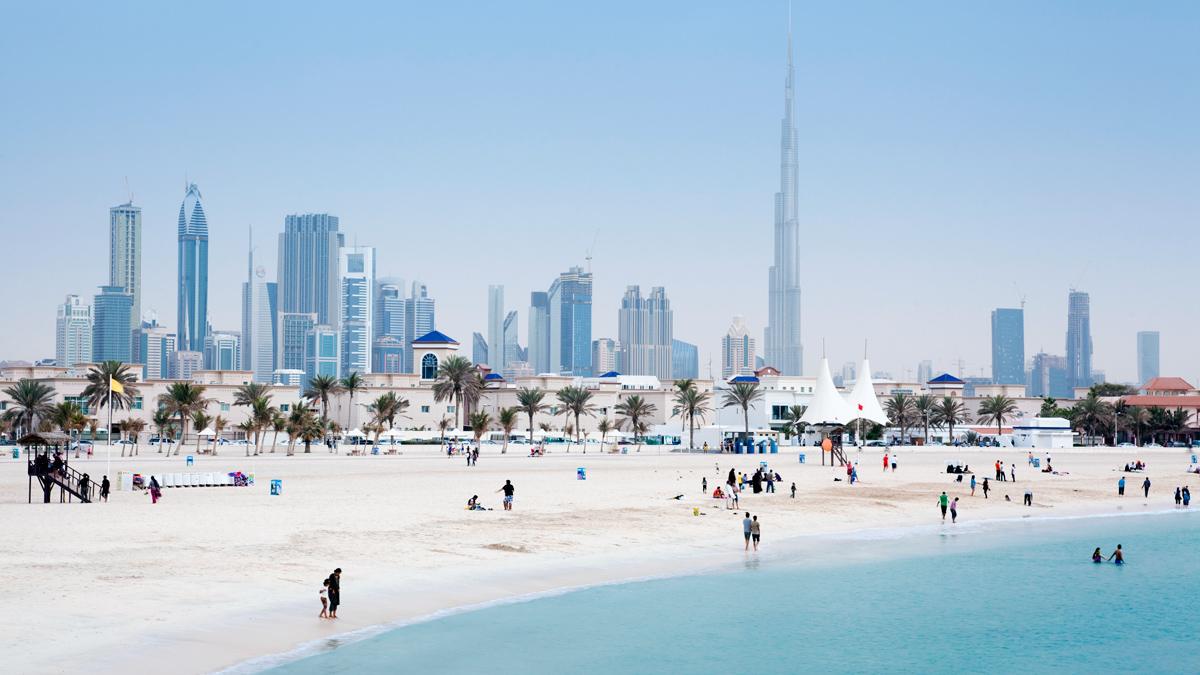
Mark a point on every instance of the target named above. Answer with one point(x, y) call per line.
point(827, 405)
point(206, 432)
point(863, 401)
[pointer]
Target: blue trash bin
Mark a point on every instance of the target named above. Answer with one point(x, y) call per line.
point(276, 487)
point(581, 473)
point(375, 450)
point(774, 447)
point(802, 458)
point(17, 454)
point(191, 460)
point(1037, 462)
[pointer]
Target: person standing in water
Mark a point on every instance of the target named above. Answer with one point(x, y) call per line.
point(1187, 496)
point(746, 527)
point(1097, 556)
point(944, 505)
point(1118, 554)
point(335, 592)
point(1178, 496)
point(954, 511)
point(755, 532)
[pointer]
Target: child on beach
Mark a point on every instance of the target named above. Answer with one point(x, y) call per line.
point(325, 599)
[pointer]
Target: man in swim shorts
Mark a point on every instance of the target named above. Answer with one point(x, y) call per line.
point(755, 532)
point(508, 491)
point(746, 526)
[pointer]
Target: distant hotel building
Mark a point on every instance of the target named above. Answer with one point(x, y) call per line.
point(388, 326)
point(479, 349)
point(387, 356)
point(223, 351)
point(185, 364)
point(508, 339)
point(644, 329)
point(73, 332)
point(570, 305)
point(357, 270)
point(111, 338)
point(1008, 346)
point(925, 371)
point(1079, 339)
point(125, 255)
point(193, 272)
point(259, 322)
point(290, 335)
point(737, 350)
point(1147, 356)
point(308, 279)
point(604, 355)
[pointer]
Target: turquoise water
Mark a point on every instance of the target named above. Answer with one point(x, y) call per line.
point(1015, 597)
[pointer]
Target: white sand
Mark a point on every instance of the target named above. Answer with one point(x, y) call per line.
point(210, 577)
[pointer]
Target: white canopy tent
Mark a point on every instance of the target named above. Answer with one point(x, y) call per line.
point(827, 405)
point(862, 399)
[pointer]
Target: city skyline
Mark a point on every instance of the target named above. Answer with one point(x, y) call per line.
point(925, 178)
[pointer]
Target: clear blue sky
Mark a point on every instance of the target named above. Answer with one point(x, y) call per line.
point(951, 154)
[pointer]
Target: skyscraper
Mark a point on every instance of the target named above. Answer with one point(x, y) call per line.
point(1049, 377)
point(291, 332)
point(259, 322)
point(783, 348)
point(604, 355)
point(419, 319)
point(223, 350)
point(685, 360)
point(508, 339)
point(111, 338)
point(387, 355)
point(357, 270)
point(1008, 346)
point(322, 352)
point(539, 332)
point(495, 331)
point(308, 266)
point(1079, 339)
point(570, 302)
point(389, 308)
point(73, 332)
point(925, 371)
point(154, 347)
point(1147, 356)
point(479, 349)
point(737, 350)
point(193, 272)
point(644, 329)
point(125, 254)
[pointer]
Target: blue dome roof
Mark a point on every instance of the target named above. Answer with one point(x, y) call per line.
point(435, 337)
point(611, 373)
point(945, 378)
point(745, 378)
point(493, 376)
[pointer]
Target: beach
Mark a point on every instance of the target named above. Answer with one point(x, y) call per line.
point(209, 578)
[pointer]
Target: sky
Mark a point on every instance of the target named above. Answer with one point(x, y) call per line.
point(954, 157)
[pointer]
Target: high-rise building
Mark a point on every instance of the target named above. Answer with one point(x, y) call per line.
point(604, 355)
point(193, 272)
point(849, 372)
point(308, 266)
point(357, 270)
point(387, 356)
point(322, 352)
point(570, 301)
point(644, 329)
point(389, 308)
point(1008, 346)
point(685, 360)
point(223, 350)
point(184, 364)
point(419, 319)
point(259, 322)
point(73, 332)
point(154, 347)
point(495, 331)
point(539, 333)
point(1147, 356)
point(111, 338)
point(479, 348)
point(783, 348)
point(125, 254)
point(737, 350)
point(1049, 377)
point(291, 332)
point(925, 371)
point(508, 339)
point(1079, 339)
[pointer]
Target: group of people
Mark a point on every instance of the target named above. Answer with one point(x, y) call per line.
point(1183, 496)
point(1137, 465)
point(1012, 471)
point(751, 530)
point(1117, 556)
point(889, 460)
point(1121, 486)
point(331, 594)
point(947, 504)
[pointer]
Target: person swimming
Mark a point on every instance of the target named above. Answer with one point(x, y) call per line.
point(1097, 556)
point(1120, 556)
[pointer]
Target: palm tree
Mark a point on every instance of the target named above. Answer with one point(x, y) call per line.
point(1091, 414)
point(69, 417)
point(320, 388)
point(123, 427)
point(134, 426)
point(529, 401)
point(246, 394)
point(218, 424)
point(161, 419)
point(247, 427)
point(262, 413)
point(457, 379)
point(93, 425)
point(480, 421)
point(310, 429)
point(182, 399)
point(352, 384)
point(996, 409)
point(1137, 417)
point(923, 408)
point(98, 391)
point(29, 401)
point(576, 401)
point(387, 407)
point(634, 409)
point(792, 425)
point(948, 412)
point(691, 403)
point(604, 426)
point(742, 395)
point(900, 409)
point(507, 418)
point(299, 419)
point(278, 423)
point(200, 422)
point(1178, 420)
point(443, 425)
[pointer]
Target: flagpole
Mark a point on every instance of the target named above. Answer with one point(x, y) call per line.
point(108, 433)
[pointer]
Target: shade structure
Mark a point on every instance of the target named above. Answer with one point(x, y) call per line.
point(355, 433)
point(391, 433)
point(827, 405)
point(206, 432)
point(862, 399)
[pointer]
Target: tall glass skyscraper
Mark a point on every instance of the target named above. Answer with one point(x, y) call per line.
point(193, 272)
point(685, 360)
point(783, 348)
point(644, 331)
point(111, 338)
point(495, 332)
point(73, 332)
point(737, 350)
point(290, 336)
point(308, 266)
point(570, 301)
point(1147, 356)
point(223, 351)
point(1079, 339)
point(357, 270)
point(419, 319)
point(125, 254)
point(508, 339)
point(1008, 346)
point(259, 323)
point(539, 332)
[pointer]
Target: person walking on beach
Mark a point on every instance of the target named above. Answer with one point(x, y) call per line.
point(704, 484)
point(334, 583)
point(746, 523)
point(1178, 497)
point(105, 486)
point(1121, 486)
point(953, 511)
point(944, 505)
point(155, 490)
point(986, 488)
point(1187, 496)
point(1028, 497)
point(885, 462)
point(1013, 471)
point(755, 532)
point(324, 594)
point(1146, 487)
point(972, 485)
point(508, 491)
point(734, 491)
point(793, 490)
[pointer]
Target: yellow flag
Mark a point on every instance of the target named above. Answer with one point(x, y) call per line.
point(115, 387)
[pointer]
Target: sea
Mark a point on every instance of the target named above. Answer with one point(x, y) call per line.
point(1021, 596)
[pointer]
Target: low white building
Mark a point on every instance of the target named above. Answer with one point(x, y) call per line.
point(1043, 432)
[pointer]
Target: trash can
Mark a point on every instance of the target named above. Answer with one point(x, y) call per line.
point(375, 450)
point(276, 487)
point(17, 454)
point(802, 458)
point(191, 460)
point(581, 473)
point(1037, 462)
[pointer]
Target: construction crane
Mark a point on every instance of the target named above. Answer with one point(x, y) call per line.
point(590, 249)
point(1020, 295)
